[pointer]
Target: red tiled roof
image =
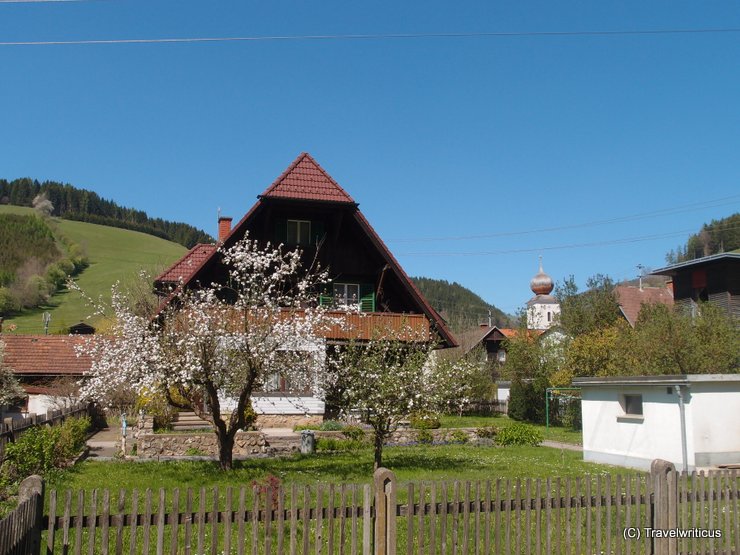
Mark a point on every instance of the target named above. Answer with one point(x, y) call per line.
point(188, 264)
point(305, 179)
point(631, 299)
point(45, 354)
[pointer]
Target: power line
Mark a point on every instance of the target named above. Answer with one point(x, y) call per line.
point(379, 36)
point(620, 219)
point(555, 247)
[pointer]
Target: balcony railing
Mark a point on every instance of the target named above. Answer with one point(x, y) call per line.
point(375, 325)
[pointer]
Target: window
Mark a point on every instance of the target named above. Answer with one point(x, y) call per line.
point(632, 405)
point(347, 294)
point(299, 232)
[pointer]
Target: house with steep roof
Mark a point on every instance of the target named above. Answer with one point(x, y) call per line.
point(41, 362)
point(306, 208)
point(714, 279)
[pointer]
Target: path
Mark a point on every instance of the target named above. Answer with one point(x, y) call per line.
point(104, 444)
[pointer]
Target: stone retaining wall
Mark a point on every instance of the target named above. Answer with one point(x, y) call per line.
point(287, 420)
point(177, 445)
point(410, 435)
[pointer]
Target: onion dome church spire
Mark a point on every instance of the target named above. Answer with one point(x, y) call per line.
point(543, 307)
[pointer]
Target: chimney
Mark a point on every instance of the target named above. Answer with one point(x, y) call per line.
point(224, 228)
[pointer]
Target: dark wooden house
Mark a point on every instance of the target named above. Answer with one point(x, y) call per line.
point(306, 209)
point(714, 279)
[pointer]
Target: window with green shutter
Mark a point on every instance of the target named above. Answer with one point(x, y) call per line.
point(367, 297)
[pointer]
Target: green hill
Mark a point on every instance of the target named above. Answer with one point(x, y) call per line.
point(721, 235)
point(113, 254)
point(458, 305)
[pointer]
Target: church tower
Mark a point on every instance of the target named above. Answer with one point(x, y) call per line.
point(543, 307)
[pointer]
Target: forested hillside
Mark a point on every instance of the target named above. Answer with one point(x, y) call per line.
point(72, 203)
point(718, 236)
point(458, 305)
point(34, 261)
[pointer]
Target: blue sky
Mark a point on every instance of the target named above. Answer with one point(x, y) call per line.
point(436, 138)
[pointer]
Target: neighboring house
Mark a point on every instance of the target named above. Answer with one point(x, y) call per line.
point(714, 278)
point(305, 208)
point(47, 367)
point(631, 298)
point(690, 419)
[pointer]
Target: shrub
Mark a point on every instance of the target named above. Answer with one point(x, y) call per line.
point(424, 436)
point(71, 438)
point(354, 433)
point(425, 421)
point(194, 452)
point(335, 444)
point(487, 432)
point(331, 426)
point(519, 434)
point(459, 436)
point(34, 452)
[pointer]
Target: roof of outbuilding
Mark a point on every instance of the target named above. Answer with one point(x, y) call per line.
point(186, 266)
point(45, 354)
point(305, 179)
point(672, 269)
point(632, 298)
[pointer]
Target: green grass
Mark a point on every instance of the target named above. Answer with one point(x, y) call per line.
point(447, 462)
point(555, 433)
point(114, 254)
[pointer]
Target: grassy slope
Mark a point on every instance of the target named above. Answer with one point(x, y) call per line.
point(114, 254)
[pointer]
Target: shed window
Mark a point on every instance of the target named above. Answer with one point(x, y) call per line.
point(632, 404)
point(299, 232)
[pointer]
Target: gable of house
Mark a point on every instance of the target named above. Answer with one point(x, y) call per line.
point(631, 299)
point(306, 208)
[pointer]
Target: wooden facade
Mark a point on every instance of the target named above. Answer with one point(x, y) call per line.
point(714, 279)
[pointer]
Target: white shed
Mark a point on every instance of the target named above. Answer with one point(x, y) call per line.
point(692, 421)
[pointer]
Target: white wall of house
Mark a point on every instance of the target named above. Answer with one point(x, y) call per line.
point(502, 390)
point(612, 436)
point(284, 404)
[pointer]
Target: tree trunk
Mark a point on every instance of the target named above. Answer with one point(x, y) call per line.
point(225, 449)
point(379, 437)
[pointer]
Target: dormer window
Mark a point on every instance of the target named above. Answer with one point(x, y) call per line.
point(299, 232)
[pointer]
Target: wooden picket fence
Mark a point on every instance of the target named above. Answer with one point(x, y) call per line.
point(585, 515)
point(20, 531)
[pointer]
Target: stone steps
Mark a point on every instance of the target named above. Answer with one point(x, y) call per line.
point(189, 421)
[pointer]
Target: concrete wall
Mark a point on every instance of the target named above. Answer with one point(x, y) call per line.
point(609, 436)
point(715, 417)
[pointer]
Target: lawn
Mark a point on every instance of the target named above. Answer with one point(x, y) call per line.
point(114, 254)
point(554, 433)
point(413, 463)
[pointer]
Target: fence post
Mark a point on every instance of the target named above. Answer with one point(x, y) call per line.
point(385, 512)
point(32, 488)
point(665, 513)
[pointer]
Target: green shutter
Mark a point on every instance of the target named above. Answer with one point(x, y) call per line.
point(367, 297)
point(326, 297)
point(281, 231)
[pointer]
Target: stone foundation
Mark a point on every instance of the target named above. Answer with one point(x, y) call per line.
point(287, 420)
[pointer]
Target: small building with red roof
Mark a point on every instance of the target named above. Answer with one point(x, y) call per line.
point(41, 363)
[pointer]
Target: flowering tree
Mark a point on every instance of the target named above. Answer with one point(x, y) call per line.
point(388, 378)
point(211, 348)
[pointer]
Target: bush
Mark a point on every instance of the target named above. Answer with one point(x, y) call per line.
point(424, 436)
point(354, 433)
point(519, 434)
point(487, 432)
point(459, 436)
point(43, 448)
point(425, 421)
point(335, 444)
point(331, 426)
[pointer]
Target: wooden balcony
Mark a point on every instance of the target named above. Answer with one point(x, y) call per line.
point(377, 325)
